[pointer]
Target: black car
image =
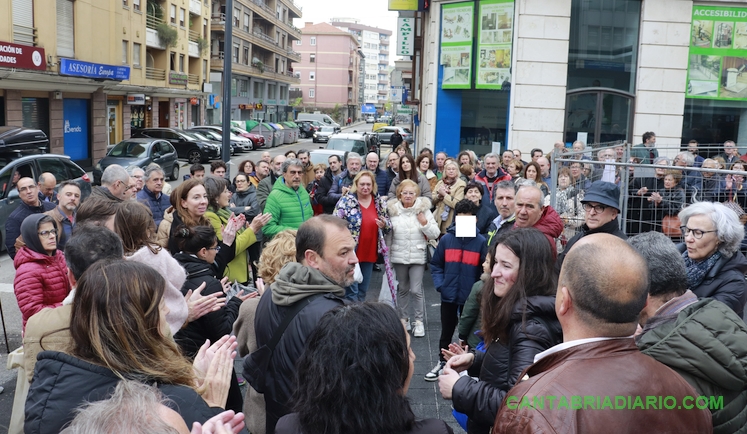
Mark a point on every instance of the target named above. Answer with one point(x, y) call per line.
point(15, 165)
point(307, 129)
point(188, 146)
point(140, 153)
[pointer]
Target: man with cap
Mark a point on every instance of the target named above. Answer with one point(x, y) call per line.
point(601, 206)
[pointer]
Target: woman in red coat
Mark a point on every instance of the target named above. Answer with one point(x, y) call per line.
point(41, 272)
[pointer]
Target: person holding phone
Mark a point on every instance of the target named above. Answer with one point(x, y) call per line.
point(199, 248)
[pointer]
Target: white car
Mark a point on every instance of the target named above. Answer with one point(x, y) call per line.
point(370, 119)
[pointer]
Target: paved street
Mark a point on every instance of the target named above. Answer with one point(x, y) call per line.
point(424, 396)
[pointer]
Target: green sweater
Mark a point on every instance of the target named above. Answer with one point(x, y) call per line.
point(470, 320)
point(289, 208)
point(707, 345)
point(237, 268)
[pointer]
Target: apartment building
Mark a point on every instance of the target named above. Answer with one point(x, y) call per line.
point(329, 69)
point(374, 44)
point(88, 72)
point(262, 58)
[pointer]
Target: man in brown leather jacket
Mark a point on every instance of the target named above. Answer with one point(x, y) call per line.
point(597, 380)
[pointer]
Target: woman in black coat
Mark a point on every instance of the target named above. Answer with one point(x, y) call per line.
point(518, 322)
point(199, 247)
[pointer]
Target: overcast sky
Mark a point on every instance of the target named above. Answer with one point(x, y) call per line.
point(370, 12)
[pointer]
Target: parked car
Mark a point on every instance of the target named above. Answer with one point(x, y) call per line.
point(317, 156)
point(307, 129)
point(324, 119)
point(256, 141)
point(385, 133)
point(140, 153)
point(188, 146)
point(16, 165)
point(217, 137)
point(322, 136)
point(370, 119)
point(23, 139)
point(362, 143)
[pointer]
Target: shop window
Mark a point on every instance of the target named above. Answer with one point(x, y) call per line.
point(598, 116)
point(35, 112)
point(712, 122)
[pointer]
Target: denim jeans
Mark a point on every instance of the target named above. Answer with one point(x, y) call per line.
point(357, 291)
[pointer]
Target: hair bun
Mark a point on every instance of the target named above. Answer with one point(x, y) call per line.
point(183, 232)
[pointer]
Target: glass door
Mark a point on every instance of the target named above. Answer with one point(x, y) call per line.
point(112, 124)
point(600, 115)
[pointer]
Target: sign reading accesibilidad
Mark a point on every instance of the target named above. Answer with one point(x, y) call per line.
point(717, 64)
point(22, 57)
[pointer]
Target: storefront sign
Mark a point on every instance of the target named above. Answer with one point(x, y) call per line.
point(22, 56)
point(495, 33)
point(194, 101)
point(405, 29)
point(78, 68)
point(178, 78)
point(456, 45)
point(75, 115)
point(136, 98)
point(717, 65)
point(403, 5)
point(271, 102)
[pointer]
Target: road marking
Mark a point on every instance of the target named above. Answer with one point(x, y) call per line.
point(6, 287)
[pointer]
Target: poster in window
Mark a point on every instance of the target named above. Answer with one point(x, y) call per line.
point(495, 36)
point(457, 25)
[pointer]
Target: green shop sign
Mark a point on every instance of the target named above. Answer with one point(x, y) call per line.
point(495, 33)
point(717, 63)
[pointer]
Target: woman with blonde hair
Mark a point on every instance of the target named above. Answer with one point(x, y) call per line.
point(448, 191)
point(278, 252)
point(119, 331)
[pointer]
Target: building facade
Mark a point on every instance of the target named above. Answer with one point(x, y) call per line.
point(374, 44)
point(89, 72)
point(262, 58)
point(533, 72)
point(329, 70)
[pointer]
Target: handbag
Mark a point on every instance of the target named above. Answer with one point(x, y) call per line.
point(670, 226)
point(733, 205)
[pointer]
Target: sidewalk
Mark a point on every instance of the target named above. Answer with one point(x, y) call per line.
point(425, 397)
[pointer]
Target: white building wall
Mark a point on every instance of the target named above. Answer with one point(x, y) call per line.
point(429, 81)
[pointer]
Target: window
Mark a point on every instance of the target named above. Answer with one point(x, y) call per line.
point(205, 28)
point(246, 23)
point(312, 76)
point(235, 53)
point(298, 42)
point(233, 87)
point(236, 15)
point(172, 57)
point(311, 93)
point(124, 3)
point(245, 56)
point(312, 40)
point(125, 58)
point(244, 88)
point(136, 4)
point(65, 29)
point(172, 14)
point(136, 54)
point(312, 58)
point(182, 13)
point(259, 90)
point(181, 63)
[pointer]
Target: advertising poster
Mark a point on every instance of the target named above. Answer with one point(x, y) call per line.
point(717, 63)
point(456, 45)
point(75, 127)
point(495, 35)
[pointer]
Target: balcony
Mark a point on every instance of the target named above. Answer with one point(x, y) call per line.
point(382, 92)
point(218, 22)
point(294, 55)
point(293, 9)
point(193, 79)
point(195, 7)
point(264, 11)
point(152, 40)
point(155, 74)
point(194, 49)
point(216, 60)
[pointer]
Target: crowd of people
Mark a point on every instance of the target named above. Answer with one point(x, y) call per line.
point(138, 295)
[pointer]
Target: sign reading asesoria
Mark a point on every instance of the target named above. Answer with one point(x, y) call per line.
point(22, 56)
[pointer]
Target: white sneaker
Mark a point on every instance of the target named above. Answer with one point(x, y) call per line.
point(407, 324)
point(435, 372)
point(418, 331)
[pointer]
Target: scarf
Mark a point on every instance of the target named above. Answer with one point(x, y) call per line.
point(696, 271)
point(224, 214)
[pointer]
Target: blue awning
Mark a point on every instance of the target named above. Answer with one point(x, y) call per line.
point(368, 108)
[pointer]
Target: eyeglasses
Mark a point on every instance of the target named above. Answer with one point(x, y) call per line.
point(597, 208)
point(697, 233)
point(216, 248)
point(48, 233)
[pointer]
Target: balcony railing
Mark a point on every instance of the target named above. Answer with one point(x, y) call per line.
point(155, 73)
point(152, 21)
point(218, 18)
point(193, 36)
point(193, 79)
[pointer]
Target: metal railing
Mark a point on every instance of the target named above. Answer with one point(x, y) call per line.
point(155, 73)
point(194, 36)
point(193, 79)
point(218, 18)
point(152, 21)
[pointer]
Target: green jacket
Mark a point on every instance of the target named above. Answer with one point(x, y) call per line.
point(237, 268)
point(289, 208)
point(641, 152)
point(470, 320)
point(707, 345)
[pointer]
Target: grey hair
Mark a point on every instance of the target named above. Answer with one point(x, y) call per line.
point(491, 155)
point(132, 408)
point(114, 173)
point(528, 183)
point(583, 145)
point(657, 160)
point(507, 185)
point(43, 177)
point(354, 156)
point(666, 267)
point(291, 162)
point(687, 157)
point(730, 231)
point(132, 169)
point(151, 169)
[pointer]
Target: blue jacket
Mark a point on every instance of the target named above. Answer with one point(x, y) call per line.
point(157, 206)
point(457, 265)
point(382, 182)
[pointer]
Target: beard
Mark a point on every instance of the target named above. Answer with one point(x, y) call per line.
point(70, 207)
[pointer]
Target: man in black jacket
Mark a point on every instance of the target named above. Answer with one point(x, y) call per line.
point(601, 206)
point(30, 204)
point(325, 184)
point(372, 164)
point(325, 263)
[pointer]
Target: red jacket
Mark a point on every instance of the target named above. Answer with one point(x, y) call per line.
point(41, 281)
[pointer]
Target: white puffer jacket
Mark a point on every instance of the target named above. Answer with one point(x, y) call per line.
point(406, 241)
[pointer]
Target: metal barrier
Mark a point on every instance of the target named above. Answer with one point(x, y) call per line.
point(651, 195)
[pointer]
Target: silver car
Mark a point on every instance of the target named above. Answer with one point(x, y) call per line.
point(323, 135)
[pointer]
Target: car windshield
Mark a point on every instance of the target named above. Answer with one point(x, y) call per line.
point(328, 129)
point(129, 149)
point(200, 136)
point(353, 145)
point(212, 135)
point(407, 130)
